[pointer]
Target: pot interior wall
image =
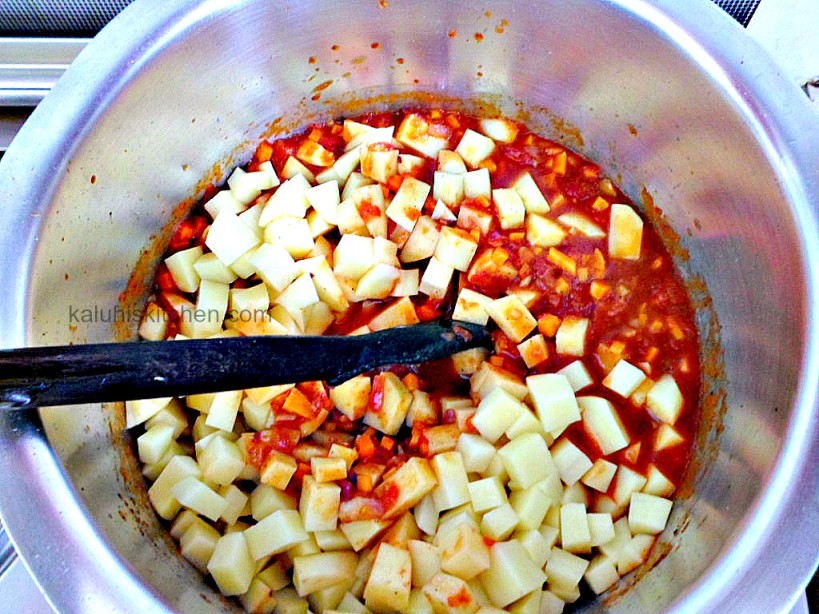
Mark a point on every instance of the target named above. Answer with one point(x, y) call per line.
point(203, 91)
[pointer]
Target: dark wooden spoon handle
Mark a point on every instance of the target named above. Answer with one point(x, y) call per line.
point(64, 375)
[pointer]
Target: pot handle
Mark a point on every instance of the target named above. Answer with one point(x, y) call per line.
point(7, 552)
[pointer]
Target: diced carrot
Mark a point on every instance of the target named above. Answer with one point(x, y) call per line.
point(411, 381)
point(548, 325)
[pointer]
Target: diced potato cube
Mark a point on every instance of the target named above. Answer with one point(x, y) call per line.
point(498, 523)
point(325, 199)
point(600, 475)
point(601, 528)
point(577, 374)
point(221, 461)
point(328, 469)
point(468, 362)
point(627, 482)
point(450, 162)
point(488, 377)
point(452, 489)
point(487, 494)
point(293, 234)
point(533, 351)
point(531, 504)
point(400, 313)
point(527, 459)
point(137, 412)
point(554, 401)
point(496, 413)
point(414, 133)
point(601, 574)
point(664, 400)
point(571, 462)
point(582, 224)
point(448, 593)
point(657, 483)
point(318, 505)
point(377, 163)
point(512, 316)
point(499, 129)
point(471, 307)
point(311, 152)
point(474, 148)
point(161, 491)
point(603, 423)
point(448, 188)
point(388, 585)
point(455, 248)
point(564, 568)
point(224, 409)
point(412, 482)
point(477, 183)
point(634, 553)
point(575, 535)
point(229, 238)
point(194, 494)
point(288, 199)
point(231, 565)
point(571, 336)
point(442, 213)
point(314, 572)
point(180, 266)
point(224, 200)
point(464, 553)
point(624, 378)
point(530, 194)
point(154, 442)
point(648, 514)
point(275, 533)
point(511, 574)
point(406, 205)
point(198, 542)
point(436, 278)
point(625, 233)
point(277, 469)
point(426, 561)
point(389, 403)
point(378, 282)
point(353, 256)
point(408, 283)
point(666, 436)
point(361, 533)
point(289, 602)
point(476, 452)
point(510, 207)
point(543, 232)
point(421, 242)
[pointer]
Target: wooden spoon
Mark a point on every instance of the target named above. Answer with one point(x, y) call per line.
point(64, 375)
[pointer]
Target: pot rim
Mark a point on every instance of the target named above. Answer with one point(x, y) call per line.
point(63, 544)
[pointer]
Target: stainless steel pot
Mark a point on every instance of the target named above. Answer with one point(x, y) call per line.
point(671, 96)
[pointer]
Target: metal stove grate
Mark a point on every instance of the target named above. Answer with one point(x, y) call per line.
point(741, 10)
point(57, 17)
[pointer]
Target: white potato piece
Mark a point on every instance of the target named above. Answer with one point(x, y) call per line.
point(450, 594)
point(582, 224)
point(603, 423)
point(648, 514)
point(379, 163)
point(665, 400)
point(571, 462)
point(601, 574)
point(464, 553)
point(195, 495)
point(511, 574)
point(221, 461)
point(487, 493)
point(533, 351)
point(512, 316)
point(288, 199)
point(499, 129)
point(421, 242)
point(318, 505)
point(400, 313)
point(229, 238)
point(325, 199)
point(627, 481)
point(577, 374)
point(210, 267)
point(527, 459)
point(314, 572)
point(279, 531)
point(624, 378)
point(474, 148)
point(436, 278)
point(554, 401)
point(657, 483)
point(452, 489)
point(601, 528)
point(224, 200)
point(575, 535)
point(181, 267)
point(448, 188)
point(496, 413)
point(154, 442)
point(198, 542)
point(564, 568)
point(531, 195)
point(388, 586)
point(625, 233)
point(471, 307)
point(510, 207)
point(666, 436)
point(395, 403)
point(231, 564)
point(455, 248)
point(477, 184)
point(571, 336)
point(161, 491)
point(600, 475)
point(543, 232)
point(414, 133)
